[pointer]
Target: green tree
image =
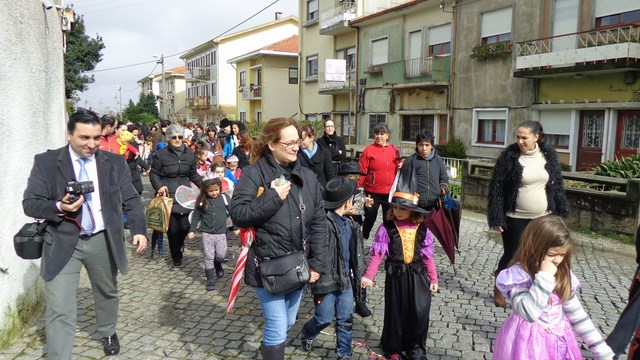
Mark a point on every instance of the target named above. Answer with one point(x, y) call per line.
point(130, 112)
point(147, 104)
point(82, 55)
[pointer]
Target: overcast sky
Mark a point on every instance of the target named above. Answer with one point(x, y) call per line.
point(135, 30)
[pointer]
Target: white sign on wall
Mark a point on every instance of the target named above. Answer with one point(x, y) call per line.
point(335, 70)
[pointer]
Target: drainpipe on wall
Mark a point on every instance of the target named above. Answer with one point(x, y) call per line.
point(452, 72)
point(356, 108)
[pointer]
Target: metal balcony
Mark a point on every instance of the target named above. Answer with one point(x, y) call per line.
point(252, 92)
point(200, 73)
point(424, 72)
point(335, 20)
point(605, 50)
point(326, 87)
point(199, 102)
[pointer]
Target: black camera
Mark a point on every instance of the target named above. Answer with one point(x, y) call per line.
point(77, 188)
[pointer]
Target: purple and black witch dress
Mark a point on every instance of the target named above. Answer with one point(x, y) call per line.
point(410, 270)
point(541, 325)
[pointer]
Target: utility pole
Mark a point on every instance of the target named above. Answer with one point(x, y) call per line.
point(163, 91)
point(119, 102)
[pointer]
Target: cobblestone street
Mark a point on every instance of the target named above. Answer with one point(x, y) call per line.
point(165, 311)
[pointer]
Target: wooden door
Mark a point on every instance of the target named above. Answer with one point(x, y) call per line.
point(627, 133)
point(590, 139)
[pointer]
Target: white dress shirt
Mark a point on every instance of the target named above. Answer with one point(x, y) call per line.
point(92, 171)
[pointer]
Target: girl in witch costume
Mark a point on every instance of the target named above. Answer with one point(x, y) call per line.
point(411, 277)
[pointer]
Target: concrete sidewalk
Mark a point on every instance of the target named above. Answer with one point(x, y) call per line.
point(165, 312)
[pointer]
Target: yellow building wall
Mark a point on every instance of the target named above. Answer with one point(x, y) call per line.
point(605, 87)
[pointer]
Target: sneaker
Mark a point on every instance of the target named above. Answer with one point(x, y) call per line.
point(307, 344)
point(346, 357)
point(395, 357)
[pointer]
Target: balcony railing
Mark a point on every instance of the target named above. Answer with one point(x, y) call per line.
point(200, 73)
point(199, 102)
point(337, 17)
point(419, 67)
point(581, 47)
point(422, 71)
point(252, 92)
point(336, 87)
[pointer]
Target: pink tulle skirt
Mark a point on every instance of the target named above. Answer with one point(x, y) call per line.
point(518, 339)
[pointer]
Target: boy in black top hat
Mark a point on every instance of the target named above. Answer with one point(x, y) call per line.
point(351, 171)
point(332, 293)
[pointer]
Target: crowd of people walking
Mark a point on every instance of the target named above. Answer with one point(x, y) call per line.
point(310, 211)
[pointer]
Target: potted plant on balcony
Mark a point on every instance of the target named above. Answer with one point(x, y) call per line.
point(486, 51)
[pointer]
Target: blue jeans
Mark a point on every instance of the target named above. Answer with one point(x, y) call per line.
point(340, 304)
point(279, 312)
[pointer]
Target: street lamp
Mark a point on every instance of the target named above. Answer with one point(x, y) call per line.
point(163, 91)
point(119, 100)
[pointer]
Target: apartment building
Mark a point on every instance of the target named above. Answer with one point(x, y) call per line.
point(585, 61)
point(571, 64)
point(171, 105)
point(267, 81)
point(211, 80)
point(377, 39)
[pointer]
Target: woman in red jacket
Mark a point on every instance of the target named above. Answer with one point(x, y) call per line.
point(379, 161)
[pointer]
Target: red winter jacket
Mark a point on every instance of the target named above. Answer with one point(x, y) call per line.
point(380, 164)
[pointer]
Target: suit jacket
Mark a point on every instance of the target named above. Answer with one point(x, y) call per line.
point(116, 193)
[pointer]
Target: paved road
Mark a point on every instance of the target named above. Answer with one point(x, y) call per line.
point(165, 312)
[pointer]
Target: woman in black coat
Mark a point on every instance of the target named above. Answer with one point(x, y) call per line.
point(175, 165)
point(283, 202)
point(135, 160)
point(315, 157)
point(526, 184)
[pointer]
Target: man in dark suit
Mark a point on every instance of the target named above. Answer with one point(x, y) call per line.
point(88, 231)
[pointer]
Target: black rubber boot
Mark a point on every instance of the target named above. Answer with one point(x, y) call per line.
point(361, 305)
point(275, 352)
point(211, 284)
point(219, 269)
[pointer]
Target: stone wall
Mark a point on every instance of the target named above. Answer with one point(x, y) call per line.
point(601, 211)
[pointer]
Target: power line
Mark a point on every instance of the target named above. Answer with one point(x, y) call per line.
point(184, 51)
point(117, 7)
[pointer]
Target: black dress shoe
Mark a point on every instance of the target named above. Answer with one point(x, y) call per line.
point(177, 263)
point(111, 345)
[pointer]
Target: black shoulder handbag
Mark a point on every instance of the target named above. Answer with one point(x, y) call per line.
point(288, 272)
point(28, 241)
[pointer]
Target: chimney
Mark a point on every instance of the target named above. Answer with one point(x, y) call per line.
point(278, 15)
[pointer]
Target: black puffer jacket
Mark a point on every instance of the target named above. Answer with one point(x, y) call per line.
point(336, 147)
point(337, 277)
point(276, 221)
point(172, 168)
point(320, 164)
point(507, 178)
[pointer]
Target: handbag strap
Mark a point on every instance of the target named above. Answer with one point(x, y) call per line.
point(302, 209)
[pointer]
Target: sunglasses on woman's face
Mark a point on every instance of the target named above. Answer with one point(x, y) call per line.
point(177, 137)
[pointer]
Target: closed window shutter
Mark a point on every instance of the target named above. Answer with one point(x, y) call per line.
point(610, 7)
point(565, 17)
point(492, 115)
point(379, 51)
point(440, 34)
point(496, 22)
point(415, 44)
point(313, 5)
point(557, 122)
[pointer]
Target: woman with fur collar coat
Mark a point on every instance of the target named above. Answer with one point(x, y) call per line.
point(526, 184)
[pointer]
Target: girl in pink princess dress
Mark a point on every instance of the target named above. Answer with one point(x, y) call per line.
point(542, 290)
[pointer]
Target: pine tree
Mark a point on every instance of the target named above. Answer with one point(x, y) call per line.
point(82, 55)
